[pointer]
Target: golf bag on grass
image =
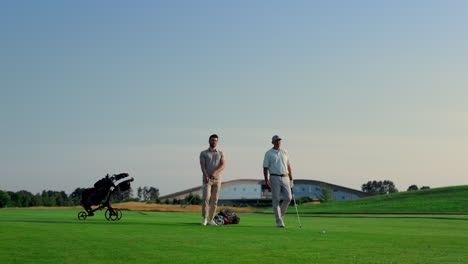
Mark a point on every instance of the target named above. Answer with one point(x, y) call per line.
point(101, 192)
point(226, 217)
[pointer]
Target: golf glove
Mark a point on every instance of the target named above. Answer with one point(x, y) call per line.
point(291, 184)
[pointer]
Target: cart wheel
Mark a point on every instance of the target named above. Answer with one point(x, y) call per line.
point(111, 215)
point(119, 214)
point(107, 215)
point(82, 215)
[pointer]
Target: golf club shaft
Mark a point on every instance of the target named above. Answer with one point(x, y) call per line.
point(187, 203)
point(295, 205)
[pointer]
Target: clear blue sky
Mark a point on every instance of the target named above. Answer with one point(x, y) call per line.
point(359, 90)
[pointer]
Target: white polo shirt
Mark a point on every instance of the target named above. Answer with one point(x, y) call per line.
point(276, 161)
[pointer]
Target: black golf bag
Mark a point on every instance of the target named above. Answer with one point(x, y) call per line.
point(101, 193)
point(94, 195)
point(226, 217)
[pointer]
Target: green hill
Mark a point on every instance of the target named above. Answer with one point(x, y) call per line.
point(446, 200)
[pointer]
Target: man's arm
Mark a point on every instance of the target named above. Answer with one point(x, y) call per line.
point(265, 175)
point(265, 170)
point(290, 172)
point(203, 168)
point(219, 170)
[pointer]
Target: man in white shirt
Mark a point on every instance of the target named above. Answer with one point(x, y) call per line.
point(277, 164)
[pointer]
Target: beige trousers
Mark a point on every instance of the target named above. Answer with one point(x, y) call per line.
point(210, 198)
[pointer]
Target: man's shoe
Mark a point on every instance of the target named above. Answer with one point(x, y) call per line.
point(212, 222)
point(203, 223)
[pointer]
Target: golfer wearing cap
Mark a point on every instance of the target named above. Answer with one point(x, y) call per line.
point(212, 163)
point(276, 163)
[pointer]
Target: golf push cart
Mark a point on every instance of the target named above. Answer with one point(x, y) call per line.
point(102, 192)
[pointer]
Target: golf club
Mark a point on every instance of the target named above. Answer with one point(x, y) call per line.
point(295, 205)
point(187, 203)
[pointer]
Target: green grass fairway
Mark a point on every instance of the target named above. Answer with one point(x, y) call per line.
point(56, 236)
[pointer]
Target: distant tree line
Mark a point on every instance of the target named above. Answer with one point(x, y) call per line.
point(148, 194)
point(27, 199)
point(414, 187)
point(151, 195)
point(386, 187)
point(60, 198)
point(379, 187)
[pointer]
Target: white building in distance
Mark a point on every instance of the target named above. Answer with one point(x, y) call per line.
point(248, 191)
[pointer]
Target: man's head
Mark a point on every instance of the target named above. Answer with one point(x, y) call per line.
point(213, 140)
point(276, 141)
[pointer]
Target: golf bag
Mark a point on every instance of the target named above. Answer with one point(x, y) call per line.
point(101, 193)
point(226, 217)
point(94, 195)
